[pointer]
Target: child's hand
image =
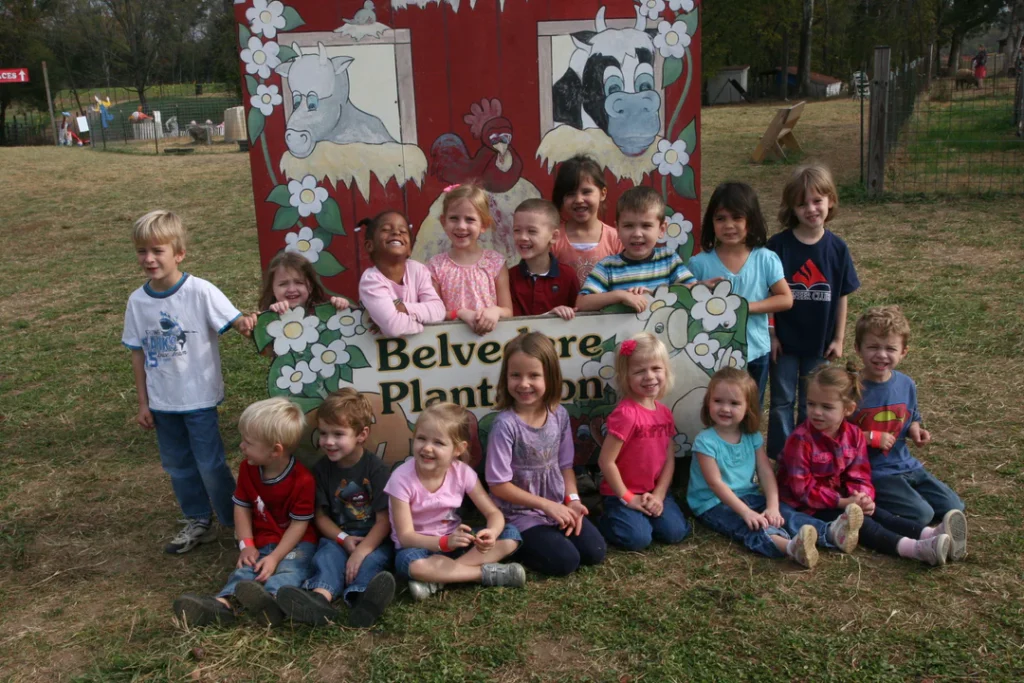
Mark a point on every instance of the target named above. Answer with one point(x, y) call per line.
point(246, 324)
point(637, 503)
point(638, 302)
point(888, 440)
point(486, 320)
point(400, 307)
point(279, 307)
point(485, 540)
point(563, 516)
point(919, 435)
point(145, 418)
point(339, 302)
point(352, 565)
point(461, 537)
point(776, 348)
point(265, 568)
point(865, 503)
point(247, 557)
point(834, 350)
point(755, 520)
point(774, 517)
point(655, 505)
point(351, 543)
point(563, 312)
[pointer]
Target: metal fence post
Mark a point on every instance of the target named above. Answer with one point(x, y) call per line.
point(877, 131)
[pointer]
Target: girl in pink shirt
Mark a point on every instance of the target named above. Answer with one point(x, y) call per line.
point(395, 291)
point(637, 457)
point(472, 281)
point(579, 193)
point(433, 546)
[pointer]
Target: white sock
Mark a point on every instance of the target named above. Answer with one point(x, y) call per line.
point(790, 547)
point(907, 547)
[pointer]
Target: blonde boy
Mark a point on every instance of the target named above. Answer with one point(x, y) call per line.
point(172, 325)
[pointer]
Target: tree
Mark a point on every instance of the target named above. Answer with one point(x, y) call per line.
point(803, 69)
point(22, 44)
point(963, 17)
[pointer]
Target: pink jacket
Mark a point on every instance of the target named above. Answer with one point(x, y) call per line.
point(378, 295)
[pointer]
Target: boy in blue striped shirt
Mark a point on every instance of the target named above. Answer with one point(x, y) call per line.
point(642, 265)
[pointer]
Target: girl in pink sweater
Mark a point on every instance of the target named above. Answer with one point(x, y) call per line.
point(396, 292)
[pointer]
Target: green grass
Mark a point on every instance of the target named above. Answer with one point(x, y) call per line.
point(84, 506)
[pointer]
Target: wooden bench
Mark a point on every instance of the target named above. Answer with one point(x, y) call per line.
point(778, 137)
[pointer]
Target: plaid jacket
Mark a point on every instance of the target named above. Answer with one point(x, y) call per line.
point(815, 470)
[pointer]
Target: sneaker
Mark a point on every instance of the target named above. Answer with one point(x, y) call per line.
point(200, 610)
point(511, 575)
point(305, 607)
point(802, 548)
point(844, 532)
point(934, 550)
point(195, 531)
point(421, 590)
point(258, 602)
point(954, 523)
point(371, 604)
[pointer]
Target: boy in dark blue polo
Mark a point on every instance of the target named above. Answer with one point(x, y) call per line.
point(539, 284)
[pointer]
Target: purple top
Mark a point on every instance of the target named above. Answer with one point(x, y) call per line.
point(532, 459)
point(379, 295)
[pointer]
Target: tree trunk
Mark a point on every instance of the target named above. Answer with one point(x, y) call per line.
point(953, 63)
point(803, 76)
point(784, 76)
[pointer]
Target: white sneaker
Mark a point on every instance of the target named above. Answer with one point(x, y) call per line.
point(802, 548)
point(954, 523)
point(421, 590)
point(934, 550)
point(195, 531)
point(512, 575)
point(844, 532)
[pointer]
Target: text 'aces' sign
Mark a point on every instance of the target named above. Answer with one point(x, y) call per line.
point(19, 75)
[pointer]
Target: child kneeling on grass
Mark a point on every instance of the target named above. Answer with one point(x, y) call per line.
point(433, 546)
point(352, 516)
point(273, 507)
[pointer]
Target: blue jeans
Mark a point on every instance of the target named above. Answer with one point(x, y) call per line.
point(723, 520)
point(547, 550)
point(633, 530)
point(758, 370)
point(329, 568)
point(192, 453)
point(916, 495)
point(406, 556)
point(291, 571)
point(788, 383)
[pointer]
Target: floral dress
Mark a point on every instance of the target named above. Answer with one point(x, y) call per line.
point(473, 286)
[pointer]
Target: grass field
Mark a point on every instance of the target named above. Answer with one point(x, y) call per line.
point(85, 508)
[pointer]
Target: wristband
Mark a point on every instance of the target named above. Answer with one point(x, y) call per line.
point(246, 543)
point(341, 537)
point(453, 315)
point(875, 439)
point(628, 496)
point(442, 544)
point(570, 498)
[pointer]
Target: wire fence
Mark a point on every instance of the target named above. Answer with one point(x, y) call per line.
point(203, 125)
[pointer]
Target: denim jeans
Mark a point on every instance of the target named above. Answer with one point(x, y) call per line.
point(328, 569)
point(789, 385)
point(758, 370)
point(406, 556)
point(916, 495)
point(192, 453)
point(291, 571)
point(722, 519)
point(547, 550)
point(633, 530)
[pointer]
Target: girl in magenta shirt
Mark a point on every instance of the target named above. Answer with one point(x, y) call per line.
point(433, 546)
point(636, 457)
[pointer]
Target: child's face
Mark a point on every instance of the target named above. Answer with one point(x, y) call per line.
point(584, 204)
point(648, 378)
point(727, 404)
point(259, 454)
point(338, 441)
point(640, 233)
point(730, 228)
point(462, 224)
point(813, 210)
point(433, 449)
point(533, 234)
point(525, 381)
point(826, 409)
point(391, 238)
point(159, 261)
point(881, 355)
point(291, 287)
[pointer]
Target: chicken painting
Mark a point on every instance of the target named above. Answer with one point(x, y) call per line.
point(496, 166)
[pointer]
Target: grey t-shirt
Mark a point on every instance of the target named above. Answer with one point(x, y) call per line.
point(351, 496)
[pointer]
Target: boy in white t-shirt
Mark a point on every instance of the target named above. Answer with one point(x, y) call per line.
point(172, 325)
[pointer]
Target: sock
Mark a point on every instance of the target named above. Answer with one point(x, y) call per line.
point(928, 532)
point(790, 547)
point(907, 547)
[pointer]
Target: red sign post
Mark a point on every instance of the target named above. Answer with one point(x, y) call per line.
point(14, 75)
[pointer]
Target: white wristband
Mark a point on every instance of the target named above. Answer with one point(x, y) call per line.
point(342, 536)
point(574, 496)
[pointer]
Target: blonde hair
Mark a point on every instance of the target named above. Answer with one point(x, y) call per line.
point(346, 407)
point(647, 347)
point(843, 381)
point(160, 227)
point(534, 345)
point(451, 418)
point(273, 421)
point(813, 177)
point(883, 321)
point(476, 196)
point(742, 379)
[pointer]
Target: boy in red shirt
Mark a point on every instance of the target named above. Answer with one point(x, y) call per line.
point(539, 284)
point(273, 507)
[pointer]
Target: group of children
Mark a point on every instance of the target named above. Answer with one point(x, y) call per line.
point(844, 475)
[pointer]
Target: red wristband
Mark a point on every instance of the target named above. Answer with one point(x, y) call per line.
point(453, 314)
point(875, 439)
point(246, 543)
point(443, 544)
point(570, 498)
point(628, 496)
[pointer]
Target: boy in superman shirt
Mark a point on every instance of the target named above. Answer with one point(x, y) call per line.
point(888, 414)
point(273, 509)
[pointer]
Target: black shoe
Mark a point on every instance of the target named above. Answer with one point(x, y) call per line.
point(306, 607)
point(258, 602)
point(371, 604)
point(200, 610)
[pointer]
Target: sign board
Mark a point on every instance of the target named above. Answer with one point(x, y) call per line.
point(19, 75)
point(83, 124)
point(316, 352)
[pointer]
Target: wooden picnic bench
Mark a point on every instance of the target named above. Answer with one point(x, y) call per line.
point(778, 137)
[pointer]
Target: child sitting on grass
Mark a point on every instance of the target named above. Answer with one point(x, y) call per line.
point(273, 507)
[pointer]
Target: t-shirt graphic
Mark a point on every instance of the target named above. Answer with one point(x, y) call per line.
point(165, 343)
point(353, 497)
point(261, 508)
point(888, 419)
point(809, 284)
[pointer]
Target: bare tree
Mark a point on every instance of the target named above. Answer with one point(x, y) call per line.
point(803, 75)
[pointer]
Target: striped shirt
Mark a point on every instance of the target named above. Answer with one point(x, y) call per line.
point(662, 267)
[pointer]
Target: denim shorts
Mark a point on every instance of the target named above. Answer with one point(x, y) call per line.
point(406, 556)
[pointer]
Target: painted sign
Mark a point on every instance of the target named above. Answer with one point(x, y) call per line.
point(316, 352)
point(358, 106)
point(19, 75)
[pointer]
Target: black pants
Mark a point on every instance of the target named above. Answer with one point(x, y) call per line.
point(882, 530)
point(547, 550)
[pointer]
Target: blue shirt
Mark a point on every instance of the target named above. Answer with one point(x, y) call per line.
point(818, 274)
point(736, 461)
point(662, 267)
point(754, 282)
point(889, 407)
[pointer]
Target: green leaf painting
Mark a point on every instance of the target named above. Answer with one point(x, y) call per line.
point(280, 195)
point(244, 34)
point(286, 217)
point(286, 54)
point(691, 19)
point(329, 217)
point(256, 123)
point(684, 184)
point(250, 84)
point(327, 265)
point(689, 136)
point(292, 20)
point(671, 72)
